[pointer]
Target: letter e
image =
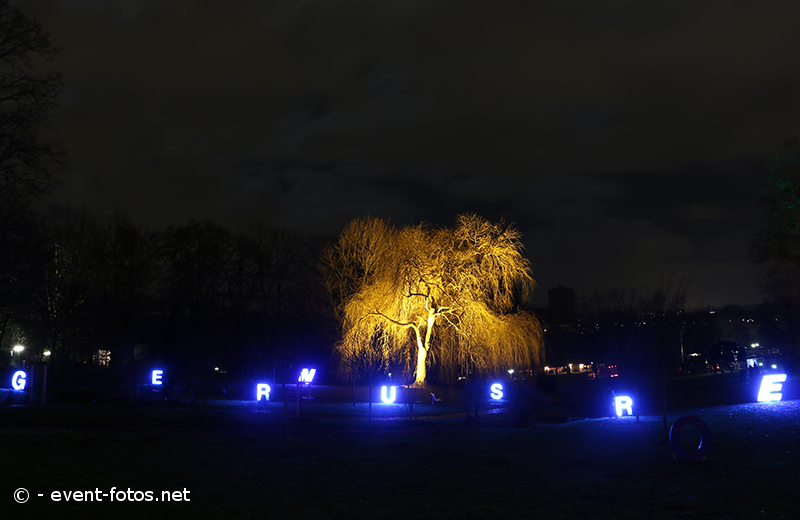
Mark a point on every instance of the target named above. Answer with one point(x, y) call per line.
point(771, 388)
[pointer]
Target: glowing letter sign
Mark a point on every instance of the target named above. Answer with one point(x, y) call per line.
point(18, 380)
point(262, 389)
point(156, 378)
point(392, 394)
point(497, 391)
point(771, 387)
point(623, 402)
point(306, 376)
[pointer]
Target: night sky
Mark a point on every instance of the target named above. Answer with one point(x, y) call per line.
point(626, 140)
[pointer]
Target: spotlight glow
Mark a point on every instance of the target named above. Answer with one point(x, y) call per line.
point(392, 394)
point(18, 380)
point(771, 386)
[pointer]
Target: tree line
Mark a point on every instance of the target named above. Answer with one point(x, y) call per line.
point(107, 298)
point(197, 296)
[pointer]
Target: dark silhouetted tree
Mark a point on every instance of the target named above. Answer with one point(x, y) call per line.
point(775, 245)
point(28, 163)
point(129, 258)
point(66, 275)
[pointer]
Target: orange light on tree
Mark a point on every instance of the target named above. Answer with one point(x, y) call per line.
point(422, 292)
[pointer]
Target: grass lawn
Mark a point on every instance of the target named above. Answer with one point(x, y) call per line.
point(236, 462)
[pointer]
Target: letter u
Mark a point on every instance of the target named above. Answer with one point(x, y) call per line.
point(392, 394)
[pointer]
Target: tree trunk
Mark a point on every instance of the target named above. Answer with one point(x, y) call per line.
point(421, 373)
point(422, 352)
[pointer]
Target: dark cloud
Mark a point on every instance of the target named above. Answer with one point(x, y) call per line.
point(625, 139)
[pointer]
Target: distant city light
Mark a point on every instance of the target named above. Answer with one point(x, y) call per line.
point(497, 391)
point(392, 394)
point(46, 353)
point(770, 389)
point(18, 380)
point(307, 375)
point(156, 377)
point(623, 402)
point(262, 389)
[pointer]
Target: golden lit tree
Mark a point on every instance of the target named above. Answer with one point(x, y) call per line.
point(424, 295)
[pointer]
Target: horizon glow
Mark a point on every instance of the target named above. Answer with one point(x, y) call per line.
point(623, 402)
point(18, 380)
point(497, 391)
point(392, 394)
point(262, 389)
point(770, 390)
point(156, 377)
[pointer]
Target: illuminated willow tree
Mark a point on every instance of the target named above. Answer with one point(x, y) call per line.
point(421, 295)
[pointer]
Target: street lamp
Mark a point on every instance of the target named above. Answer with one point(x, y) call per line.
point(18, 349)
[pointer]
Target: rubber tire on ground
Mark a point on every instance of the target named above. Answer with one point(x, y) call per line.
point(675, 439)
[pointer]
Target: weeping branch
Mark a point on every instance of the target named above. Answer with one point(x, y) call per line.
point(467, 282)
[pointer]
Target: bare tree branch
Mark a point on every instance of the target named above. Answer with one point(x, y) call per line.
point(465, 282)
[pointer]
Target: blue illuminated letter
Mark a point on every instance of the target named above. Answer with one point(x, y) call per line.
point(771, 387)
point(623, 402)
point(306, 376)
point(392, 394)
point(497, 391)
point(262, 389)
point(156, 379)
point(18, 380)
